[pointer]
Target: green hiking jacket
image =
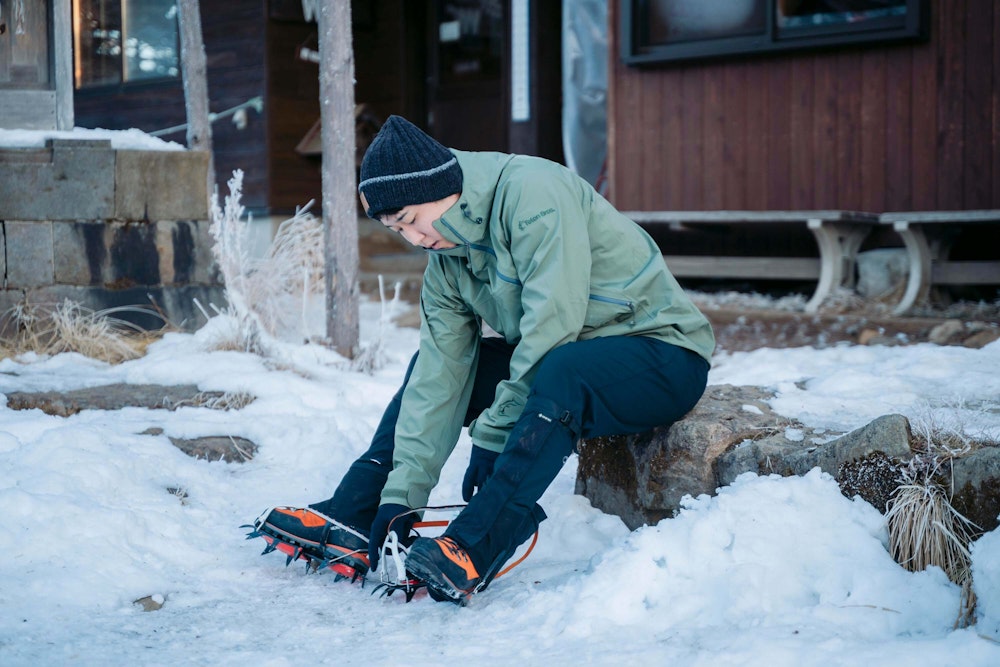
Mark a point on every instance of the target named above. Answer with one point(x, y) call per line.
point(543, 260)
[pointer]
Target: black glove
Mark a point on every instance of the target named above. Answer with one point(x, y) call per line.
point(480, 468)
point(401, 525)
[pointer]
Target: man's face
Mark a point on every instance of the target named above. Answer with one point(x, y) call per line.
point(416, 222)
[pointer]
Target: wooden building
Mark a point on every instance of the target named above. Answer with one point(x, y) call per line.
point(444, 65)
point(713, 105)
point(874, 125)
point(812, 105)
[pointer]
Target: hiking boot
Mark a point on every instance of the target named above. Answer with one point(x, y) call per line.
point(445, 567)
point(306, 533)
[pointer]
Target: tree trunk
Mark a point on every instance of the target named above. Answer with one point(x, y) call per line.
point(194, 73)
point(340, 217)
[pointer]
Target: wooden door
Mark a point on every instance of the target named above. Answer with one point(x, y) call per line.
point(466, 101)
point(35, 84)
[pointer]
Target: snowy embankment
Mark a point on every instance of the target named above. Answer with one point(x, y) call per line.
point(769, 572)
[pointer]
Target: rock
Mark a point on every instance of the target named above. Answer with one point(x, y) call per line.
point(881, 271)
point(946, 332)
point(150, 602)
point(231, 449)
point(982, 338)
point(117, 396)
point(228, 448)
point(874, 478)
point(889, 434)
point(643, 477)
point(109, 397)
point(976, 485)
point(885, 341)
point(868, 335)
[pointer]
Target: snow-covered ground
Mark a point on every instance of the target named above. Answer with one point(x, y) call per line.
point(768, 572)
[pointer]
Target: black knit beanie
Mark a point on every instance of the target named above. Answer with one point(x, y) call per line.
point(404, 166)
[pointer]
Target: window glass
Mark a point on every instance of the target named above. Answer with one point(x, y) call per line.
point(805, 13)
point(97, 28)
point(685, 20)
point(150, 39)
point(119, 41)
point(656, 31)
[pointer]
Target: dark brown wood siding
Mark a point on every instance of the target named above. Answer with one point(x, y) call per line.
point(293, 101)
point(235, 50)
point(877, 128)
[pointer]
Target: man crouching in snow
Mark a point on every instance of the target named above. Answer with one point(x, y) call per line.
point(595, 338)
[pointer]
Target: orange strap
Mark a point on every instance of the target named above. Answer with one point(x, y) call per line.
point(520, 560)
point(441, 523)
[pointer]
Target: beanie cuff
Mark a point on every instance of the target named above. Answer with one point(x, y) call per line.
point(404, 166)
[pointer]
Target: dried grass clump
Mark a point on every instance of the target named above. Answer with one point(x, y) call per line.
point(924, 528)
point(70, 327)
point(230, 400)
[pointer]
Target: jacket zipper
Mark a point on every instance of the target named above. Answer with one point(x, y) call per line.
point(630, 315)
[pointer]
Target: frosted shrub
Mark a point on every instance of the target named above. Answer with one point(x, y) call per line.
point(270, 296)
point(372, 357)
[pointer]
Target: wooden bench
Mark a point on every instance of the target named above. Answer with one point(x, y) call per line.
point(927, 236)
point(838, 235)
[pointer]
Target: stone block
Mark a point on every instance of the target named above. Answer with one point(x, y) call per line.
point(161, 185)
point(82, 251)
point(28, 253)
point(124, 254)
point(66, 180)
point(186, 257)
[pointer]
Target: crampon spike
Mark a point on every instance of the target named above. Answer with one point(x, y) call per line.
point(271, 546)
point(409, 588)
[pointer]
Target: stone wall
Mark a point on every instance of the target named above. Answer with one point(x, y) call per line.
point(80, 220)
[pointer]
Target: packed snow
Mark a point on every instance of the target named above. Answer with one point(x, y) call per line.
point(100, 511)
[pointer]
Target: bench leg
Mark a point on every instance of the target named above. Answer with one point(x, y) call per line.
point(838, 253)
point(918, 252)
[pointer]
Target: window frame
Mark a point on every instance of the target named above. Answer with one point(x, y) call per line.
point(773, 39)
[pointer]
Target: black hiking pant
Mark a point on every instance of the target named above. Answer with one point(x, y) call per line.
point(584, 389)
